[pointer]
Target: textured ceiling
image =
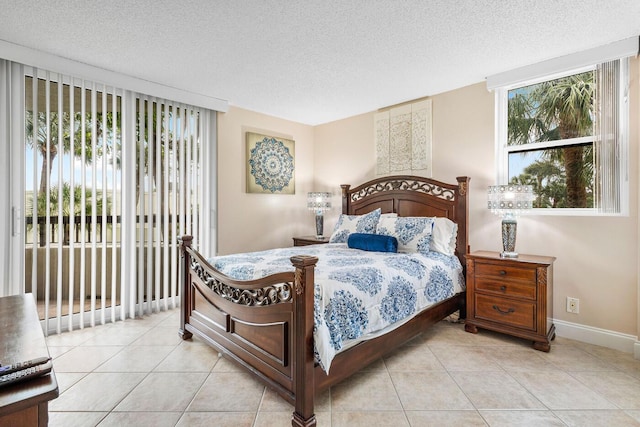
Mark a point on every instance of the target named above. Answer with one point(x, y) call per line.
point(315, 61)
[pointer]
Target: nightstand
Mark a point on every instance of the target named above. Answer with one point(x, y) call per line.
point(511, 295)
point(309, 240)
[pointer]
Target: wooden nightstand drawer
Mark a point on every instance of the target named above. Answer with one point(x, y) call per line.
point(502, 287)
point(511, 295)
point(510, 312)
point(504, 272)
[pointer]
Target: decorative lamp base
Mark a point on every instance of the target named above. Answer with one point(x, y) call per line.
point(506, 254)
point(509, 228)
point(319, 226)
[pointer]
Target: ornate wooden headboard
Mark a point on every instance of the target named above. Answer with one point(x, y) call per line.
point(409, 195)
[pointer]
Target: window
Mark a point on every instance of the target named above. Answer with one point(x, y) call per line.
point(550, 140)
point(565, 133)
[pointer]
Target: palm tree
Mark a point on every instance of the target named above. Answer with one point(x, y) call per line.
point(553, 110)
point(542, 175)
point(44, 137)
point(54, 147)
point(163, 143)
point(567, 103)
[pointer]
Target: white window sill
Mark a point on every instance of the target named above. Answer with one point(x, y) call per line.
point(572, 212)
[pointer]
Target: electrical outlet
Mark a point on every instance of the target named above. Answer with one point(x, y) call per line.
point(573, 305)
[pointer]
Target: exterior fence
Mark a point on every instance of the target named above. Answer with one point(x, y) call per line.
point(53, 222)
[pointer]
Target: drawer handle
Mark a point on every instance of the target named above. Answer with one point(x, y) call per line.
point(496, 308)
point(503, 288)
point(503, 273)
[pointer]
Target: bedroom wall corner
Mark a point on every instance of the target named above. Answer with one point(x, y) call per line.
point(463, 140)
point(247, 221)
point(343, 154)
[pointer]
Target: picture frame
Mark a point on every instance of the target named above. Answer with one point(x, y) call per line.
point(270, 163)
point(403, 139)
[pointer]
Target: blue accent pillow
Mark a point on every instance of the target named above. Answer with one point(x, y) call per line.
point(372, 242)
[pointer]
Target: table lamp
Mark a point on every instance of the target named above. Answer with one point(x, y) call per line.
point(319, 203)
point(509, 201)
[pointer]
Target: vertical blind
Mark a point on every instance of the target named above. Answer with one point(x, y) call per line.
point(611, 111)
point(112, 179)
point(5, 164)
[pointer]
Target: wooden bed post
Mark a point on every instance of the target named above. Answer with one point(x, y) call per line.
point(462, 219)
point(345, 198)
point(185, 286)
point(303, 358)
point(461, 216)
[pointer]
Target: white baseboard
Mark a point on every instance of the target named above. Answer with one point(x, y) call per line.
point(603, 337)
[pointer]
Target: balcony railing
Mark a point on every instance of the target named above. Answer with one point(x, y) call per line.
point(68, 266)
point(109, 221)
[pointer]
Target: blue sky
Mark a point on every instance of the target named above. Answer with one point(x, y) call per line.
point(519, 161)
point(66, 171)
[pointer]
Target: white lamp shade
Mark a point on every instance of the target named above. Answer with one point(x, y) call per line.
point(510, 199)
point(318, 201)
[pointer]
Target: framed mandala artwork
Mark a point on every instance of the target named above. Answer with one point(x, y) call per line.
point(270, 164)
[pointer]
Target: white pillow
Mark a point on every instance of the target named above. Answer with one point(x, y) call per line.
point(413, 233)
point(443, 238)
point(348, 224)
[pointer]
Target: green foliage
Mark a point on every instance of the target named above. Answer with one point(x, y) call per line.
point(556, 110)
point(548, 179)
point(79, 207)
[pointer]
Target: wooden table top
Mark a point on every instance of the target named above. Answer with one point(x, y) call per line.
point(21, 339)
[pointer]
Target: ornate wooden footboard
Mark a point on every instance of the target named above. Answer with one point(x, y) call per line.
point(266, 325)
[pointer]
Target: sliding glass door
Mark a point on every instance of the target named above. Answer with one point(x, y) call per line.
point(111, 179)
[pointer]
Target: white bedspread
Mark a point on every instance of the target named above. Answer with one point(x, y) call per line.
point(356, 292)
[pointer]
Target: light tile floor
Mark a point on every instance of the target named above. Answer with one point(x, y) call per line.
point(140, 373)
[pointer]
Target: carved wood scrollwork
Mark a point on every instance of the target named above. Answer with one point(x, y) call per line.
point(542, 275)
point(404, 184)
point(462, 189)
point(298, 282)
point(268, 295)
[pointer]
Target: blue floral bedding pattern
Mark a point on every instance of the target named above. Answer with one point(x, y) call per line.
point(356, 292)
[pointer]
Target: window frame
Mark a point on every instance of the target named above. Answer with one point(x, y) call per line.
point(502, 149)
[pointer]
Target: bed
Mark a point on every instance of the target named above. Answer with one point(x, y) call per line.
point(266, 325)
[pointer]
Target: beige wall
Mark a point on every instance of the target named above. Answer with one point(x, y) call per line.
point(343, 154)
point(597, 257)
point(249, 222)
